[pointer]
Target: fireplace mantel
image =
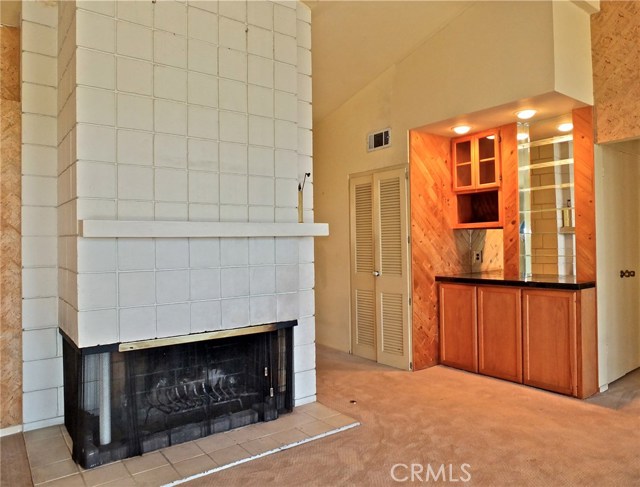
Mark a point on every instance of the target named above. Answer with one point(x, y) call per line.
point(175, 229)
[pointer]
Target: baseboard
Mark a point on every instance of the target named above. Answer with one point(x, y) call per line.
point(305, 400)
point(36, 425)
point(11, 430)
point(604, 388)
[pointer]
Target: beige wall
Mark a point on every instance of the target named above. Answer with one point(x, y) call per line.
point(572, 51)
point(617, 223)
point(492, 54)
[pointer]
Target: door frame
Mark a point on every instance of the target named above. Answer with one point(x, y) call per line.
point(408, 243)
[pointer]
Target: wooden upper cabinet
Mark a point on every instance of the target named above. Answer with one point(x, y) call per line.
point(458, 330)
point(476, 161)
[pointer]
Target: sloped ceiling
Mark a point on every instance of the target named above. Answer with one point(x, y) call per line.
point(355, 41)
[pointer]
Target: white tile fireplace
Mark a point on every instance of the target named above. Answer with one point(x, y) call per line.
point(183, 130)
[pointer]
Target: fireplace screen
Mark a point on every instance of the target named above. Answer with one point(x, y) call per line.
point(121, 404)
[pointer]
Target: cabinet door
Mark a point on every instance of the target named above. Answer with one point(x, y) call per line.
point(500, 332)
point(487, 160)
point(549, 319)
point(458, 331)
point(463, 167)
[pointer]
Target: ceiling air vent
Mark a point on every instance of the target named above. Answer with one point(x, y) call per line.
point(379, 140)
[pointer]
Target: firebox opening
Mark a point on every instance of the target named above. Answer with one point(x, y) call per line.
point(122, 404)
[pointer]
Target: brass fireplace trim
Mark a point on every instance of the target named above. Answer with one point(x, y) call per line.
point(197, 337)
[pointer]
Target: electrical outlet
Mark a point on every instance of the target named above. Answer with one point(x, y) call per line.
point(477, 256)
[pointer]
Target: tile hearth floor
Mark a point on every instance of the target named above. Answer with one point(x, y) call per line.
point(49, 451)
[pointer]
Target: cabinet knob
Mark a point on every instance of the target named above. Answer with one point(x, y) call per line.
point(375, 273)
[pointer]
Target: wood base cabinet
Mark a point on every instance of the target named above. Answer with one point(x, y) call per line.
point(458, 330)
point(500, 332)
point(560, 341)
point(545, 338)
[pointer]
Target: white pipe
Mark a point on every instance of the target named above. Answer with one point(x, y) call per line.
point(105, 398)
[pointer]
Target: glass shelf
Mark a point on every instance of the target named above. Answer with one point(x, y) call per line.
point(548, 186)
point(551, 140)
point(548, 210)
point(542, 165)
point(546, 194)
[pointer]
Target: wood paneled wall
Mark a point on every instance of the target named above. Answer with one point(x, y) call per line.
point(10, 238)
point(438, 249)
point(435, 248)
point(510, 200)
point(584, 193)
point(616, 58)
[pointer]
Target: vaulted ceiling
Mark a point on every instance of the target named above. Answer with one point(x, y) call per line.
point(355, 41)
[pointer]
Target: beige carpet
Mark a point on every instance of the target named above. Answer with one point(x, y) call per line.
point(509, 435)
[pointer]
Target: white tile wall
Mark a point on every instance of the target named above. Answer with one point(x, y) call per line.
point(135, 182)
point(39, 344)
point(171, 16)
point(234, 282)
point(137, 323)
point(233, 10)
point(171, 185)
point(171, 150)
point(96, 290)
point(202, 89)
point(235, 312)
point(205, 316)
point(182, 111)
point(132, 40)
point(42, 362)
point(201, 24)
point(172, 286)
point(172, 253)
point(202, 57)
point(97, 31)
point(233, 158)
point(262, 309)
point(203, 187)
point(98, 327)
point(134, 112)
point(137, 12)
point(260, 14)
point(133, 75)
point(171, 118)
point(136, 288)
point(170, 49)
point(205, 284)
point(40, 406)
point(173, 319)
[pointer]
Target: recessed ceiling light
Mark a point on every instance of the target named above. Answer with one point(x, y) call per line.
point(525, 114)
point(565, 127)
point(461, 129)
point(522, 136)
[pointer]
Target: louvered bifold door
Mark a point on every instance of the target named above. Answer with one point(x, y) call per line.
point(390, 261)
point(363, 308)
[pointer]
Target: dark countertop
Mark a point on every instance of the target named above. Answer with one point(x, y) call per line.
point(533, 281)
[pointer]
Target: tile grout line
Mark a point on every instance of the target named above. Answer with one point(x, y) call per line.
point(264, 454)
